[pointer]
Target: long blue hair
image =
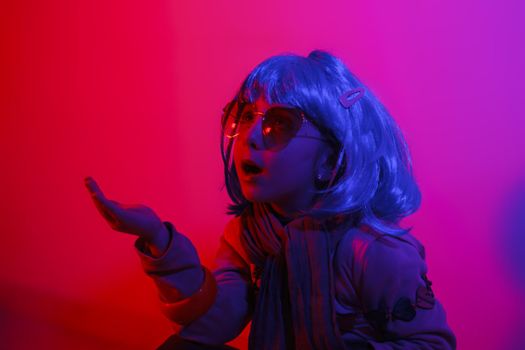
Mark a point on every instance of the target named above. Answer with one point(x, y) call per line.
point(372, 178)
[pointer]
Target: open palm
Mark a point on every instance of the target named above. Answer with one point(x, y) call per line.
point(135, 219)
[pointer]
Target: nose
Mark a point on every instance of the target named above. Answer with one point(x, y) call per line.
point(253, 135)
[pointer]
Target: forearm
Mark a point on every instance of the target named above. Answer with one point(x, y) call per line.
point(176, 270)
point(226, 318)
point(210, 308)
point(222, 306)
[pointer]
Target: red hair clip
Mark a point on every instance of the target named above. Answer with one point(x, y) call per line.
point(348, 102)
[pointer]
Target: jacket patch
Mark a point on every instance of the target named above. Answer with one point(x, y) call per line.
point(425, 296)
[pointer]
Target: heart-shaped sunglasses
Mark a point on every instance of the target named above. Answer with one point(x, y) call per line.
point(280, 124)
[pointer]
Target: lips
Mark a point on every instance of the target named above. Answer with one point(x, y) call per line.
point(249, 167)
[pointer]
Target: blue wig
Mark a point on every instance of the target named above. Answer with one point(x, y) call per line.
point(372, 177)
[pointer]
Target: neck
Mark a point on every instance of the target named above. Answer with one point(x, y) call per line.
point(292, 207)
point(285, 213)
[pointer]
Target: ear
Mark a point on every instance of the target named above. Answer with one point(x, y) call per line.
point(325, 163)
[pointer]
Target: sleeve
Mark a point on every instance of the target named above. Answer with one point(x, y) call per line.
point(195, 299)
point(398, 300)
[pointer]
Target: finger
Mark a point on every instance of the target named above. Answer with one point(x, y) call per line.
point(93, 187)
point(107, 214)
point(99, 197)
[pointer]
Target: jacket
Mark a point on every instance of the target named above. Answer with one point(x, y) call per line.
point(383, 297)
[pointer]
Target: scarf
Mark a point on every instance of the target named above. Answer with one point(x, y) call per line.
point(294, 307)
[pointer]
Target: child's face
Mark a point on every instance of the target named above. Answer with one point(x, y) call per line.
point(285, 178)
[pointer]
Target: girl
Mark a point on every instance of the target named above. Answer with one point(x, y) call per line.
point(319, 176)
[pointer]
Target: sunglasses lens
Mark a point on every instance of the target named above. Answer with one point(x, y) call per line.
point(280, 126)
point(230, 128)
point(231, 120)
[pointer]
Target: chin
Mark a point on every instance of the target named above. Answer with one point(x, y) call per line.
point(255, 195)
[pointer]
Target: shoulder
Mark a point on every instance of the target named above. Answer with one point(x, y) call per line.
point(232, 237)
point(373, 261)
point(385, 269)
point(362, 245)
point(233, 230)
point(388, 275)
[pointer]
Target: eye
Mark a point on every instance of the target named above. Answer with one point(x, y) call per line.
point(282, 120)
point(246, 117)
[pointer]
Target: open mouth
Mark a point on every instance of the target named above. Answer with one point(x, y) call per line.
point(250, 168)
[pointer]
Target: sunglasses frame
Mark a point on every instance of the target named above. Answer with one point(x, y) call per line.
point(297, 112)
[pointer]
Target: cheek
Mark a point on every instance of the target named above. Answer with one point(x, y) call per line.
point(236, 156)
point(293, 168)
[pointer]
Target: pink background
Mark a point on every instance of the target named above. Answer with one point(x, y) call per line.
point(131, 94)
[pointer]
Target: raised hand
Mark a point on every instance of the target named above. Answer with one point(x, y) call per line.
point(137, 219)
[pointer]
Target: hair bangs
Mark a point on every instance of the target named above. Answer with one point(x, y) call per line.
point(285, 79)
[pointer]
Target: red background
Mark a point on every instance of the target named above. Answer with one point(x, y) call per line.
point(130, 92)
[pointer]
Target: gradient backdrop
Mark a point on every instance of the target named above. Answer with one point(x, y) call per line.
point(130, 92)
